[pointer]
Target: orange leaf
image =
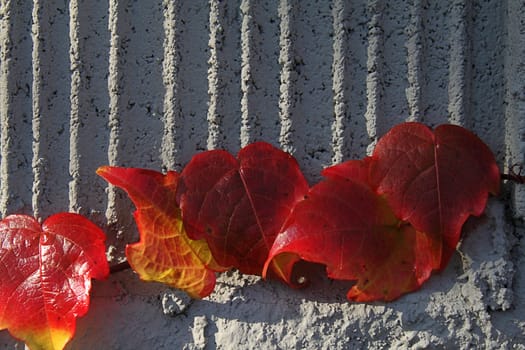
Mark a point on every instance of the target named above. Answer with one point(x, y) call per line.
point(45, 274)
point(164, 252)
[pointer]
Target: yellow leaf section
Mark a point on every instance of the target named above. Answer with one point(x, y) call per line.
point(43, 339)
point(164, 252)
point(281, 267)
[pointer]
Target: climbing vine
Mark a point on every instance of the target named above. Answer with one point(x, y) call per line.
point(387, 222)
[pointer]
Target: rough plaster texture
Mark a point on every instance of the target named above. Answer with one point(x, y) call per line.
point(150, 83)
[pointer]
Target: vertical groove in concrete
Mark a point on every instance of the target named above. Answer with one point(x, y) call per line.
point(340, 48)
point(89, 100)
point(224, 89)
point(459, 75)
point(74, 122)
point(136, 100)
point(114, 107)
point(414, 45)
point(37, 163)
point(488, 78)
point(141, 90)
point(314, 112)
point(248, 119)
point(395, 19)
point(51, 105)
point(215, 132)
point(374, 67)
point(435, 55)
point(427, 47)
point(288, 76)
point(259, 72)
point(515, 99)
point(349, 75)
point(15, 108)
point(193, 39)
point(340, 66)
point(6, 24)
point(173, 119)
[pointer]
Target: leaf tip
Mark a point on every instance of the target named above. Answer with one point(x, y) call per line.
point(101, 170)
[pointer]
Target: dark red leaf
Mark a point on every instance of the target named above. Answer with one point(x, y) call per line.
point(434, 180)
point(344, 225)
point(390, 219)
point(239, 205)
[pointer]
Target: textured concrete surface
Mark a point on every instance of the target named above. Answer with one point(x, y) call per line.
point(150, 83)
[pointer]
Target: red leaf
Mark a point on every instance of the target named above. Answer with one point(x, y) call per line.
point(164, 253)
point(239, 205)
point(45, 274)
point(387, 221)
point(344, 225)
point(434, 180)
point(356, 170)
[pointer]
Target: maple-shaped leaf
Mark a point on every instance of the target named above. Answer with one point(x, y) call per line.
point(240, 204)
point(164, 252)
point(344, 225)
point(434, 180)
point(45, 276)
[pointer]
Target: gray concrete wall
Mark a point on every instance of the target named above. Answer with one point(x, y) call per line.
point(150, 83)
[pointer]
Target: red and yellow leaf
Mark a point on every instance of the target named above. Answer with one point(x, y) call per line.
point(434, 180)
point(344, 225)
point(164, 252)
point(239, 205)
point(45, 275)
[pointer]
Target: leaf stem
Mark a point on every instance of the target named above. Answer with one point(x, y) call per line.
point(515, 174)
